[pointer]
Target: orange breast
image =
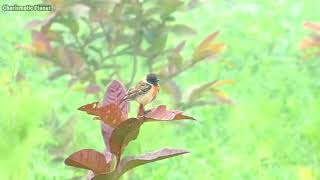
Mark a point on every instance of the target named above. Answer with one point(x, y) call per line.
point(155, 91)
point(149, 96)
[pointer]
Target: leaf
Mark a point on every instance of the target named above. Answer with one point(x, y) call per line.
point(206, 49)
point(45, 23)
point(131, 162)
point(174, 63)
point(125, 132)
point(222, 97)
point(109, 176)
point(181, 29)
point(71, 23)
point(306, 43)
point(222, 83)
point(89, 159)
point(109, 114)
point(206, 42)
point(40, 43)
point(113, 94)
point(173, 89)
point(69, 59)
point(162, 114)
point(198, 91)
point(312, 26)
point(180, 47)
point(56, 74)
point(108, 157)
point(215, 48)
point(169, 6)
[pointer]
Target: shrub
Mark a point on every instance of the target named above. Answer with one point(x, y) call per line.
point(118, 131)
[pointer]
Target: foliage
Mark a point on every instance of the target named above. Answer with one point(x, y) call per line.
point(272, 131)
point(120, 132)
point(311, 45)
point(95, 41)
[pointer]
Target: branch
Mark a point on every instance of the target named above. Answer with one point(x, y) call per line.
point(178, 72)
point(184, 106)
point(134, 70)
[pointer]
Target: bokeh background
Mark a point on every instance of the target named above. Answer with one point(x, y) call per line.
point(272, 131)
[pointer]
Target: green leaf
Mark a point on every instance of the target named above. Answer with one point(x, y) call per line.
point(124, 133)
point(183, 30)
point(131, 162)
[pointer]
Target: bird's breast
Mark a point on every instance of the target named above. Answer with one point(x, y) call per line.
point(149, 96)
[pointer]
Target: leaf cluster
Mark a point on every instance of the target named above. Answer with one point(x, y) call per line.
point(311, 45)
point(118, 131)
point(90, 40)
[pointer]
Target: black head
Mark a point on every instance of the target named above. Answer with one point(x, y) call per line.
point(152, 79)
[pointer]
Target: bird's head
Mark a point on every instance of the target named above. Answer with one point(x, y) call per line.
point(152, 79)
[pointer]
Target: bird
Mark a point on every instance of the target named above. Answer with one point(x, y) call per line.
point(145, 91)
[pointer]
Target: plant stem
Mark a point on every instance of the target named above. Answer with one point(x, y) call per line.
point(134, 70)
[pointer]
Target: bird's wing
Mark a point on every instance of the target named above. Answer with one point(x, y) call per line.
point(140, 89)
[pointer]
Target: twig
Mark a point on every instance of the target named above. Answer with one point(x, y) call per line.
point(184, 106)
point(134, 70)
point(173, 75)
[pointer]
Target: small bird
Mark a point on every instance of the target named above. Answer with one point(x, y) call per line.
point(145, 91)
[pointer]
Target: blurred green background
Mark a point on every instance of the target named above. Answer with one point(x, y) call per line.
point(272, 131)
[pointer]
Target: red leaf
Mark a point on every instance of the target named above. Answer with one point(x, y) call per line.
point(131, 162)
point(313, 26)
point(108, 157)
point(124, 133)
point(69, 59)
point(45, 23)
point(109, 114)
point(162, 114)
point(113, 94)
point(89, 159)
point(110, 176)
point(40, 43)
point(206, 42)
point(206, 49)
point(180, 46)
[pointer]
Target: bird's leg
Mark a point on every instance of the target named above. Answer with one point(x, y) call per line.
point(141, 111)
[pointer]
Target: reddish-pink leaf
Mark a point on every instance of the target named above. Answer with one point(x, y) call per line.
point(40, 43)
point(89, 159)
point(207, 41)
point(45, 23)
point(313, 26)
point(110, 176)
point(124, 133)
point(180, 46)
point(109, 114)
point(108, 157)
point(131, 162)
point(162, 114)
point(198, 91)
point(69, 59)
point(113, 94)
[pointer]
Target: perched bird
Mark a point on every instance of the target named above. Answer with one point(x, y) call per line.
point(145, 91)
